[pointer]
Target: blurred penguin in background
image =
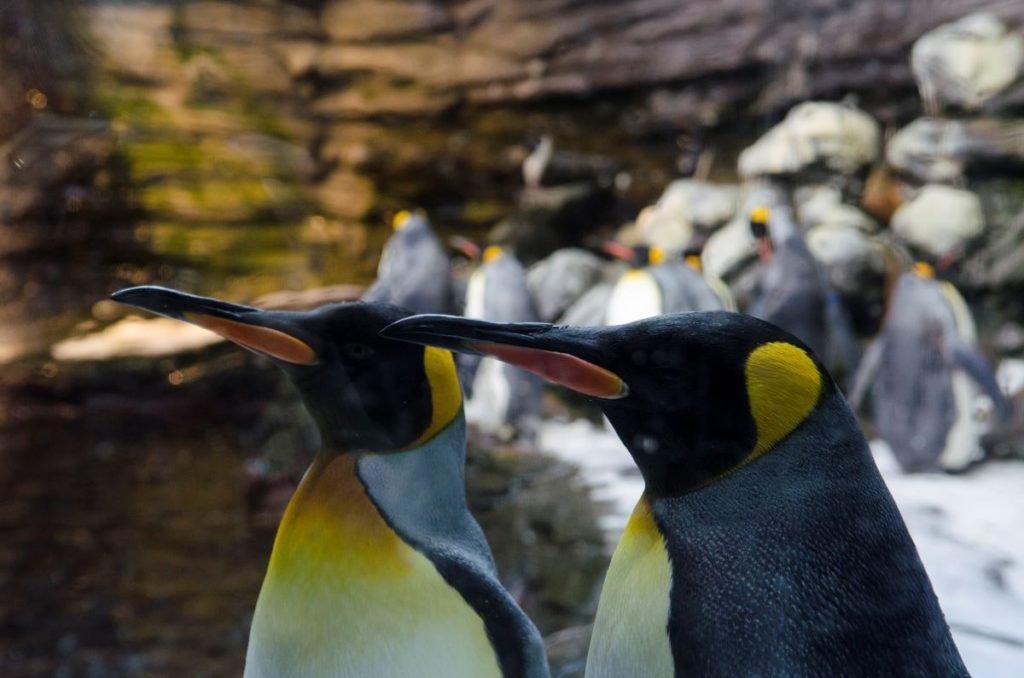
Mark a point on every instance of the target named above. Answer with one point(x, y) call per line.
point(655, 284)
point(414, 268)
point(502, 401)
point(692, 256)
point(925, 373)
point(536, 163)
point(795, 293)
point(560, 279)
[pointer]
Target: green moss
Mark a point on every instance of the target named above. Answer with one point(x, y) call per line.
point(129, 104)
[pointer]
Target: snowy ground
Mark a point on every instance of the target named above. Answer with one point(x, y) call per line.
point(969, 530)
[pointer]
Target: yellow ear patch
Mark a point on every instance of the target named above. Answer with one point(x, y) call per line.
point(924, 270)
point(694, 262)
point(656, 256)
point(759, 215)
point(491, 253)
point(783, 385)
point(400, 219)
point(445, 392)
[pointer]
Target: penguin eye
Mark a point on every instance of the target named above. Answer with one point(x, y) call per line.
point(357, 351)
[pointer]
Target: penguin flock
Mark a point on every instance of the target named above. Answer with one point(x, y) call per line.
point(765, 542)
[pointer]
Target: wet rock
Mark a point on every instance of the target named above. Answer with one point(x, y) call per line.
point(997, 264)
point(135, 39)
point(1009, 340)
point(1006, 439)
point(687, 205)
point(376, 97)
point(823, 206)
point(567, 651)
point(247, 21)
point(542, 527)
point(935, 150)
point(346, 194)
point(839, 137)
point(940, 219)
point(366, 20)
point(965, 63)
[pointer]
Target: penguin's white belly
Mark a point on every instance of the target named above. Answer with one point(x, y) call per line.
point(963, 442)
point(489, 406)
point(631, 628)
point(475, 295)
point(635, 296)
point(346, 596)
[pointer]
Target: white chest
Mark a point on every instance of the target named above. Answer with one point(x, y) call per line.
point(635, 296)
point(631, 629)
point(346, 596)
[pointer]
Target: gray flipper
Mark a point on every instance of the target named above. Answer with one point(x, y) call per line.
point(973, 363)
point(840, 332)
point(433, 518)
point(870, 362)
point(589, 309)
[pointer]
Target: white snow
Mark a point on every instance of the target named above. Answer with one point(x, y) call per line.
point(969, 530)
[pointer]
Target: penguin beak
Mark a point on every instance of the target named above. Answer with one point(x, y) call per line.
point(266, 332)
point(618, 250)
point(555, 353)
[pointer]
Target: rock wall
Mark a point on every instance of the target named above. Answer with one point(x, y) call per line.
point(387, 103)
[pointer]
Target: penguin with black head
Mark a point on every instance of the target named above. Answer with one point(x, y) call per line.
point(766, 542)
point(925, 372)
point(378, 568)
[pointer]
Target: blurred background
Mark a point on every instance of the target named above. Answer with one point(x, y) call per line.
point(259, 152)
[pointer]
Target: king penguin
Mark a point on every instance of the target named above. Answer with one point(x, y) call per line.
point(378, 568)
point(655, 284)
point(926, 370)
point(414, 268)
point(503, 400)
point(795, 292)
point(792, 295)
point(766, 542)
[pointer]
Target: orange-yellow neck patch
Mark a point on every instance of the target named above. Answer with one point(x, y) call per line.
point(490, 254)
point(924, 270)
point(783, 385)
point(445, 391)
point(401, 219)
point(332, 528)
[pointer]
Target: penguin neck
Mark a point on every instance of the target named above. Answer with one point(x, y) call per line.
point(352, 570)
point(797, 558)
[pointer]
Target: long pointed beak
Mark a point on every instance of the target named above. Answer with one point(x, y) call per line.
point(265, 332)
point(559, 354)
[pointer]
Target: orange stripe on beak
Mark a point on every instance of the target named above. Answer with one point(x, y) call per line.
point(272, 342)
point(561, 368)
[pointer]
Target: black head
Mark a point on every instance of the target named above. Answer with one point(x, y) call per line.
point(365, 392)
point(759, 222)
point(693, 396)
